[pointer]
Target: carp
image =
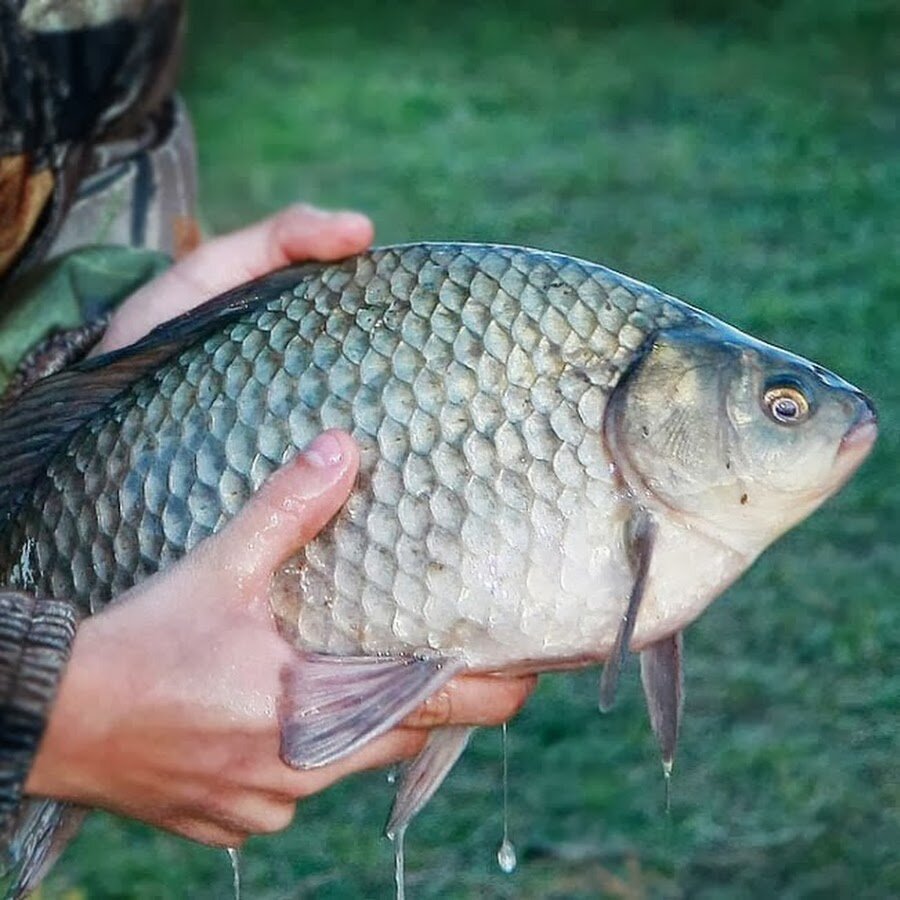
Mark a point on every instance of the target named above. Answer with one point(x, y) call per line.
point(559, 465)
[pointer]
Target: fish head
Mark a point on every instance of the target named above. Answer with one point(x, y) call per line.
point(739, 439)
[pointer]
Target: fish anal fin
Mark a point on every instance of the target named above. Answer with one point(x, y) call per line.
point(640, 541)
point(333, 705)
point(663, 680)
point(425, 774)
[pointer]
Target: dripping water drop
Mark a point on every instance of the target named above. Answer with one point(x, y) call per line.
point(391, 775)
point(506, 855)
point(235, 858)
point(399, 839)
point(667, 776)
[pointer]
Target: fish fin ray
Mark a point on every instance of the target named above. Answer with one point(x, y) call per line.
point(663, 679)
point(37, 423)
point(333, 705)
point(40, 833)
point(642, 533)
point(425, 774)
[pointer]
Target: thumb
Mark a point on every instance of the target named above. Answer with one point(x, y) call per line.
point(297, 233)
point(289, 509)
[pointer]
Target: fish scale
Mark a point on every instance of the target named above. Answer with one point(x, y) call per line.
point(466, 404)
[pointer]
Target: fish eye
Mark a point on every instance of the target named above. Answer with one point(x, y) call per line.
point(786, 404)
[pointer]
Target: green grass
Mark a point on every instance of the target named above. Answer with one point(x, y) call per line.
point(747, 162)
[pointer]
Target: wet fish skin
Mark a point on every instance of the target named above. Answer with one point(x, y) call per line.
point(407, 349)
point(517, 413)
point(491, 519)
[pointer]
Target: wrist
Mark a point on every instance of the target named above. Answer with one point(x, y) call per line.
point(72, 747)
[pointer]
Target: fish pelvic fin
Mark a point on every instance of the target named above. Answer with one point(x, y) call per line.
point(333, 705)
point(663, 680)
point(640, 541)
point(425, 774)
point(40, 833)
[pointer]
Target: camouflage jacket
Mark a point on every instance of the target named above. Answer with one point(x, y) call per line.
point(97, 193)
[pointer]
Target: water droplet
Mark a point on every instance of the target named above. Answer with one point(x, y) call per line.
point(235, 858)
point(506, 857)
point(391, 775)
point(399, 840)
point(667, 774)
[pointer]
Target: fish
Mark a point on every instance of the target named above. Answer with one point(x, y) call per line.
point(560, 465)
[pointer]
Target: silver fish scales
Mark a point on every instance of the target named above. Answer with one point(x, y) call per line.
point(559, 463)
point(474, 379)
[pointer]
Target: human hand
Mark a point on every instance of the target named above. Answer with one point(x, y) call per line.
point(167, 711)
point(296, 234)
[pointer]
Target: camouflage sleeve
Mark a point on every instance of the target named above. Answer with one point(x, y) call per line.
point(35, 639)
point(94, 149)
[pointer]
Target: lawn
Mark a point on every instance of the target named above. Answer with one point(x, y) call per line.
point(747, 162)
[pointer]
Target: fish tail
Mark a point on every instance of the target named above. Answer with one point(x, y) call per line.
point(40, 833)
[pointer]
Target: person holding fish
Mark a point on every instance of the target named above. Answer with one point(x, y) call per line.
point(163, 707)
point(557, 464)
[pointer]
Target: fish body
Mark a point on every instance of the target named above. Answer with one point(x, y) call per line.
point(558, 463)
point(490, 517)
point(487, 519)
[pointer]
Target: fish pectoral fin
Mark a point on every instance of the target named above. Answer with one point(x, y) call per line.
point(641, 535)
point(425, 774)
point(333, 705)
point(663, 680)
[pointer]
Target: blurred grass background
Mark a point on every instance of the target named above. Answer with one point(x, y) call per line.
point(743, 156)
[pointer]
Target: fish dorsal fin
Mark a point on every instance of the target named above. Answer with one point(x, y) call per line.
point(34, 427)
point(43, 829)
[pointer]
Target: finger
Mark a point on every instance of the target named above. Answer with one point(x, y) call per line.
point(295, 234)
point(390, 748)
point(246, 811)
point(290, 508)
point(204, 832)
point(303, 232)
point(473, 700)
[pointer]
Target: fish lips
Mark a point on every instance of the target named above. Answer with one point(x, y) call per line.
point(860, 436)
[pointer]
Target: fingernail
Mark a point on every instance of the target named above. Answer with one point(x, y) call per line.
point(307, 209)
point(349, 218)
point(350, 214)
point(325, 451)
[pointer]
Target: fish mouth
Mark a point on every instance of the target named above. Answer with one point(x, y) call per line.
point(860, 437)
